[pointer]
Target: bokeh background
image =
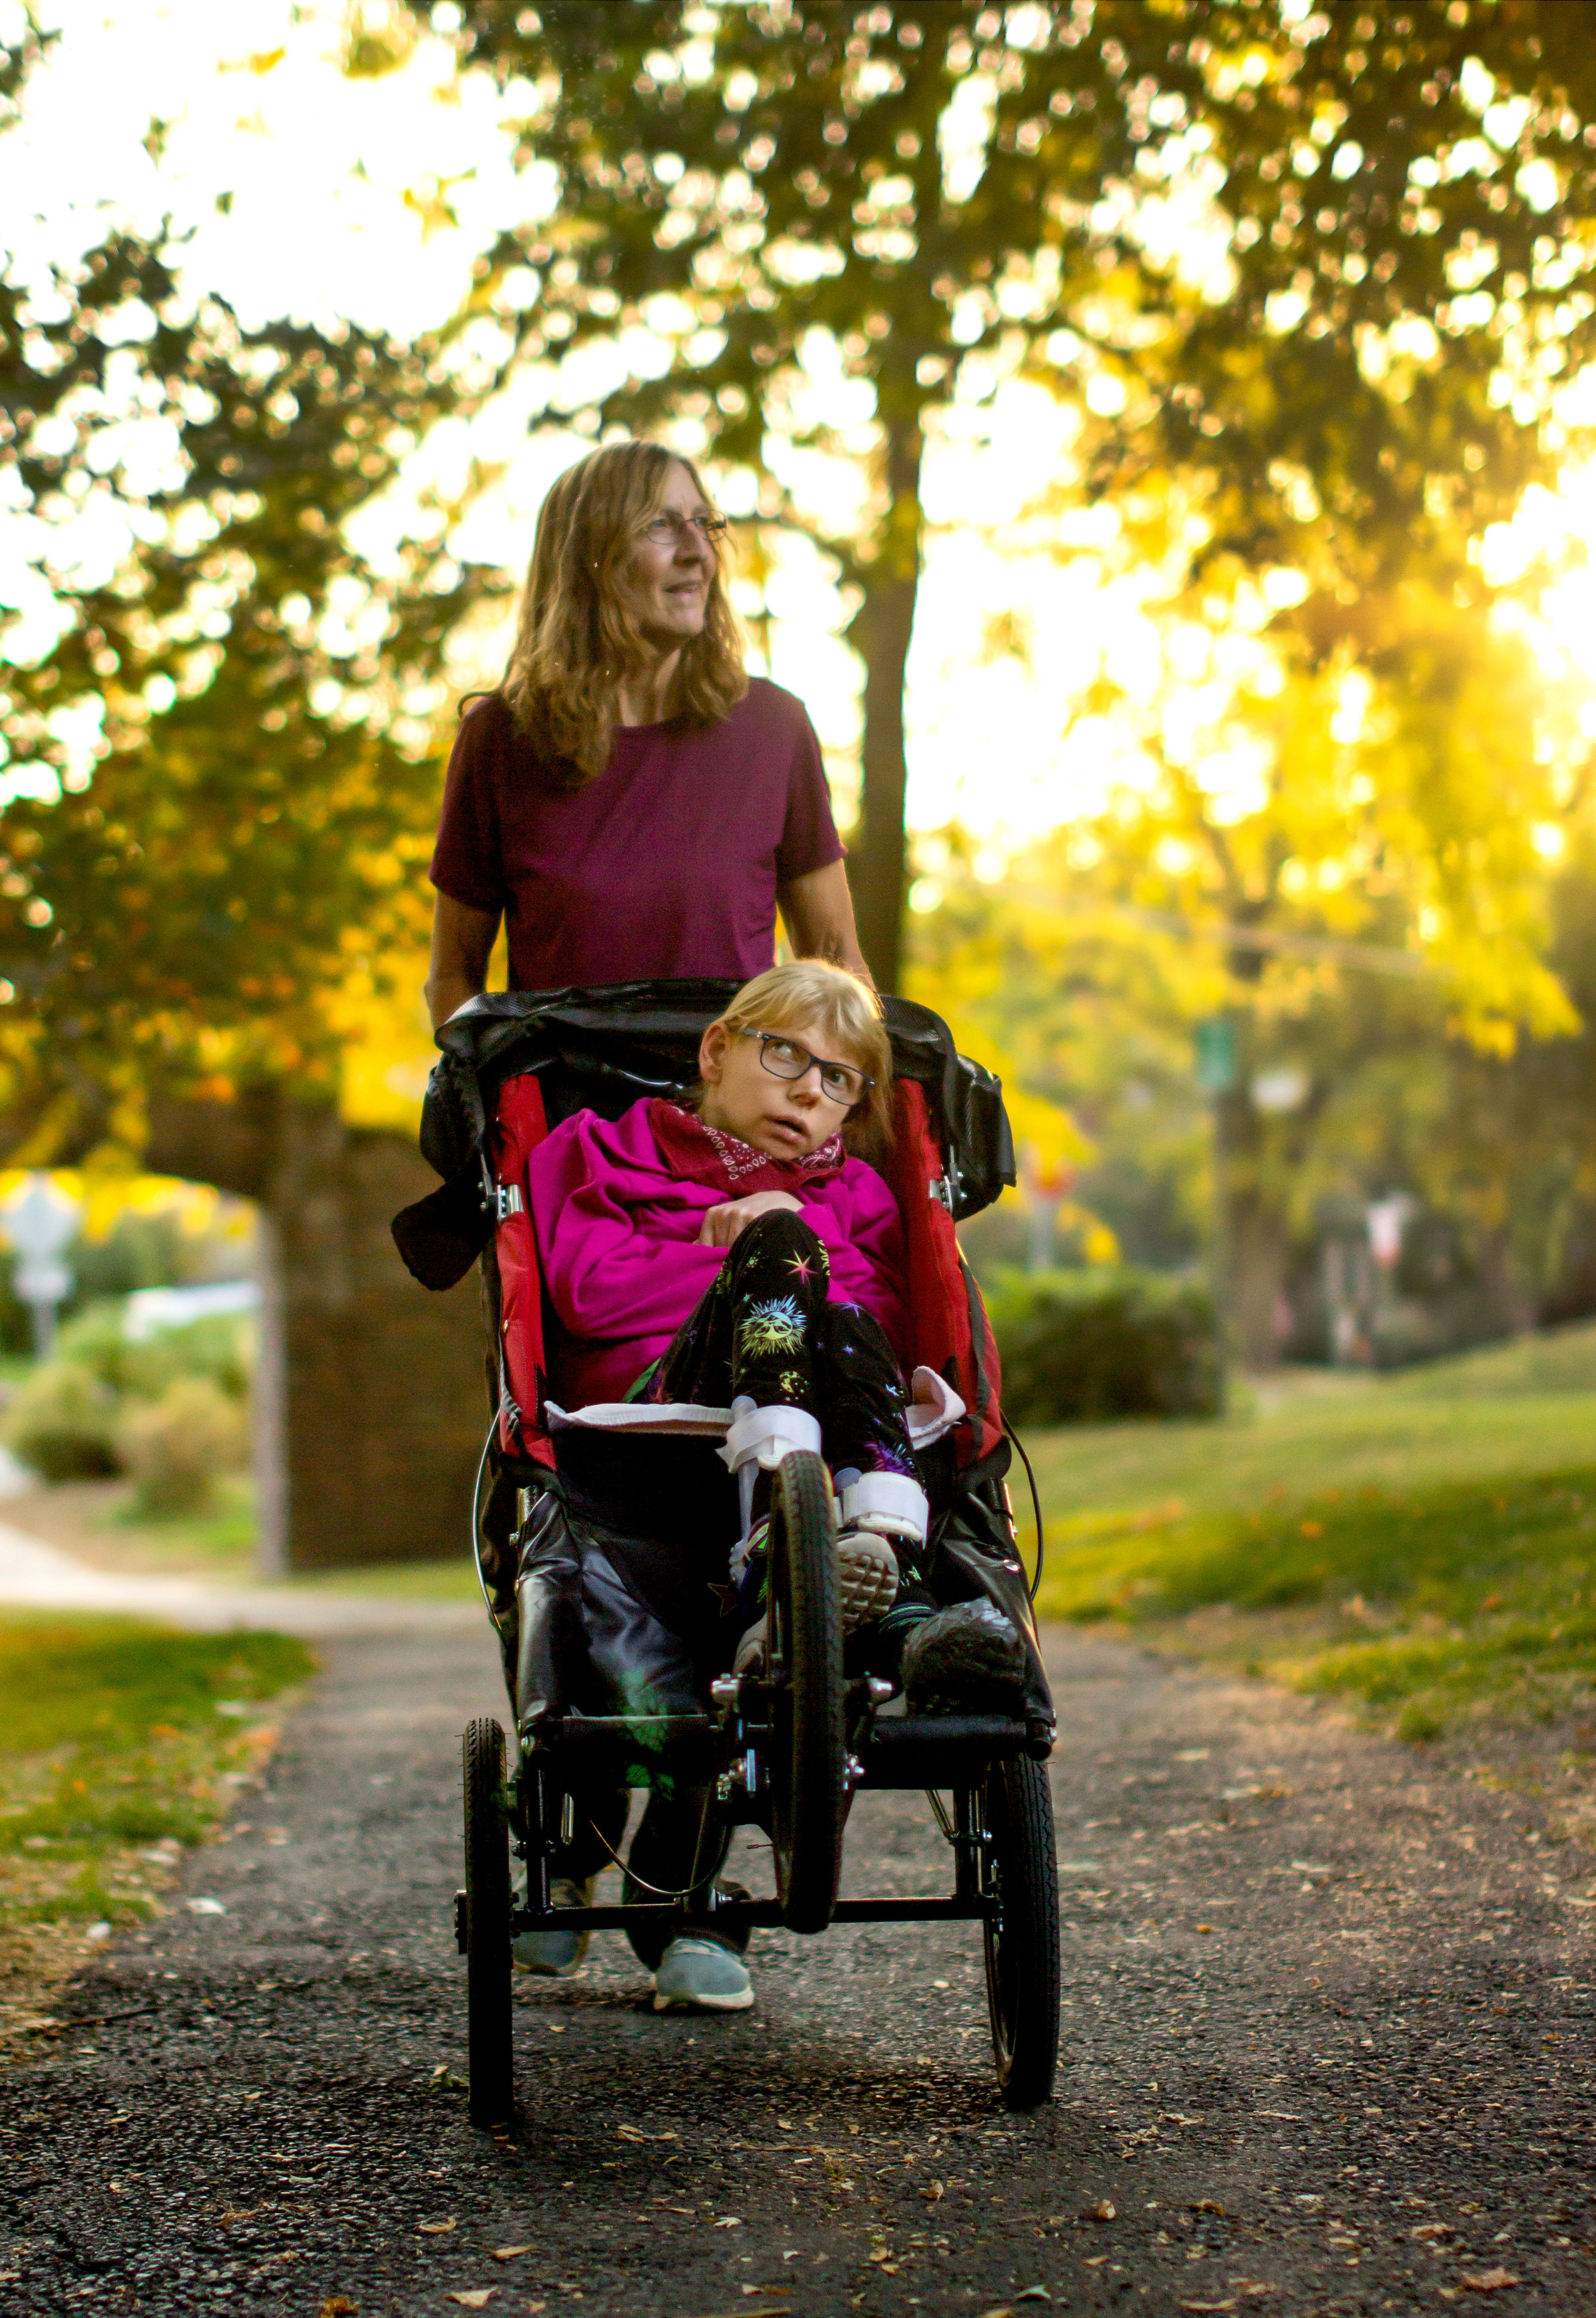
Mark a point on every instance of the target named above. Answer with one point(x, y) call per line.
point(1159, 440)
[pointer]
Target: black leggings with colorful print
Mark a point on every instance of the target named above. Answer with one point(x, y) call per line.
point(766, 1330)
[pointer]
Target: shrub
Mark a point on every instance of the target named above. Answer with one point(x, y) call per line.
point(175, 1447)
point(218, 1347)
point(62, 1424)
point(1078, 1347)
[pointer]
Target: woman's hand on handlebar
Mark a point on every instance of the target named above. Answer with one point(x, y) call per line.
point(721, 1224)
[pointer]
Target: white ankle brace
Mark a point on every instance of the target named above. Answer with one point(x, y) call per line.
point(888, 1504)
point(765, 1435)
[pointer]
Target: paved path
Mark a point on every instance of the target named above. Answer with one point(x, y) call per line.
point(37, 1576)
point(1327, 2050)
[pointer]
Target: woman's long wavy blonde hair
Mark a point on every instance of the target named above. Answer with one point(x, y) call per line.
point(577, 640)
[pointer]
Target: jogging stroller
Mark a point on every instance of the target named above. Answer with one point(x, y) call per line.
point(785, 1750)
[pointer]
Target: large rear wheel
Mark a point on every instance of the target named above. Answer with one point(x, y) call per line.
point(488, 1926)
point(1020, 1876)
point(809, 1803)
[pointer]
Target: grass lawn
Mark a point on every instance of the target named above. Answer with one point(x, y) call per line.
point(1425, 1544)
point(120, 1744)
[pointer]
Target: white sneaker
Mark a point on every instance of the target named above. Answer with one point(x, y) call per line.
point(697, 1974)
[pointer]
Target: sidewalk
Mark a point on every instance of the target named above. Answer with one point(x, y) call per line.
point(40, 1576)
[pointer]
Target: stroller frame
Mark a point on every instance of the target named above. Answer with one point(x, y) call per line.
point(788, 1751)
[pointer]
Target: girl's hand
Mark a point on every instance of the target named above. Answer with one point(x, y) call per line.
point(721, 1224)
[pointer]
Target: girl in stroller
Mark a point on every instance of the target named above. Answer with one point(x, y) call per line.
point(734, 1250)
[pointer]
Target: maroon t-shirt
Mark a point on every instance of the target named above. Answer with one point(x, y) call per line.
point(666, 866)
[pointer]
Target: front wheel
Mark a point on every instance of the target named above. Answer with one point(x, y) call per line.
point(808, 1803)
point(1020, 1877)
point(488, 1926)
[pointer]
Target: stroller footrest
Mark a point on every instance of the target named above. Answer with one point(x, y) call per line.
point(937, 1750)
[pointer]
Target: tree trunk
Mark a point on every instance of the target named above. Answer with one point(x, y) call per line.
point(881, 632)
point(1253, 1228)
point(369, 1407)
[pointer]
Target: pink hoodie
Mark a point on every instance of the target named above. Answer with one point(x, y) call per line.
point(617, 1232)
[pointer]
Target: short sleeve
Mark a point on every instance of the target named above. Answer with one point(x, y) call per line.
point(468, 860)
point(809, 838)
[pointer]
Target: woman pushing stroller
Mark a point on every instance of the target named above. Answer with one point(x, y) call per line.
point(734, 1250)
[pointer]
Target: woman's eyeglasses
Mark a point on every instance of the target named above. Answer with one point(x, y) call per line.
point(783, 1059)
point(669, 530)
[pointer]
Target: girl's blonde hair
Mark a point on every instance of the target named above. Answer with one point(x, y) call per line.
point(577, 639)
point(848, 1012)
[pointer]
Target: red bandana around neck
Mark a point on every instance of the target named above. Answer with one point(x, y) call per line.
point(708, 1155)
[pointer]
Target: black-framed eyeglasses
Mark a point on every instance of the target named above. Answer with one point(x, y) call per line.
point(783, 1058)
point(668, 530)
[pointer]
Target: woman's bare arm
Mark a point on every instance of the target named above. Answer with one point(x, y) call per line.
point(462, 943)
point(818, 911)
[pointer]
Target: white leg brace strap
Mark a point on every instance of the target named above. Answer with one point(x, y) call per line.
point(764, 1436)
point(888, 1505)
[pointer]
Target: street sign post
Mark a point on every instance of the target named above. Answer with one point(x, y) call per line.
point(40, 1223)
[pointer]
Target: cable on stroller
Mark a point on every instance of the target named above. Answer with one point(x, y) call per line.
point(1035, 1503)
point(641, 1882)
point(477, 1528)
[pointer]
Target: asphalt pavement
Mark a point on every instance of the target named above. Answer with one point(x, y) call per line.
point(1327, 2048)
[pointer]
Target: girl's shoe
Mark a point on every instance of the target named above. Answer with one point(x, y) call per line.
point(555, 1955)
point(698, 1974)
point(866, 1580)
point(866, 1585)
point(966, 1660)
point(867, 1577)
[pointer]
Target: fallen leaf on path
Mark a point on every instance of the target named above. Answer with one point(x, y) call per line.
point(1173, 2116)
point(437, 2229)
point(1250, 2286)
point(1103, 2211)
point(473, 2297)
point(635, 2132)
point(998, 2309)
point(1489, 2281)
point(728, 2221)
point(1096, 2260)
point(1210, 2305)
point(508, 2253)
point(932, 2190)
point(767, 2289)
point(1280, 2116)
point(1211, 2205)
point(1432, 2230)
point(1034, 2294)
point(204, 1906)
point(879, 2253)
point(338, 2305)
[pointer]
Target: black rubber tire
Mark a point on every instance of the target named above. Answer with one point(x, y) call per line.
point(488, 2036)
point(808, 1802)
point(1021, 1938)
